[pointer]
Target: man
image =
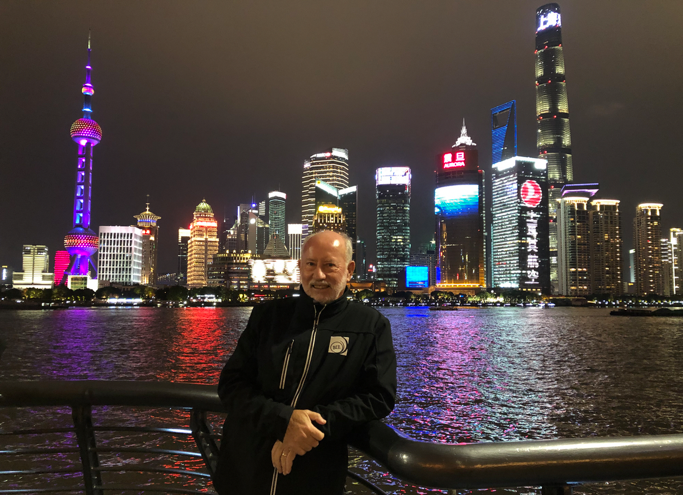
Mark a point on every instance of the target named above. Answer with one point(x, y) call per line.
point(305, 372)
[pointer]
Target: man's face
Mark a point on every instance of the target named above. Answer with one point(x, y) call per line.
point(324, 271)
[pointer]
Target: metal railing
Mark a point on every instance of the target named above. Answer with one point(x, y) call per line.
point(555, 465)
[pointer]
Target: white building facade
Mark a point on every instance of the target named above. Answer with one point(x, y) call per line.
point(36, 265)
point(119, 258)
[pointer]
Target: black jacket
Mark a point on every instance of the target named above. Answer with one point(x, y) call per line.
point(337, 359)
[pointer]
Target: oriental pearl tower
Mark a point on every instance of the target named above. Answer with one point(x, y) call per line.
point(81, 242)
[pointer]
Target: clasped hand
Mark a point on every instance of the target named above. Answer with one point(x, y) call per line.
point(301, 436)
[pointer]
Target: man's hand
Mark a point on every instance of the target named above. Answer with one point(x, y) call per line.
point(282, 461)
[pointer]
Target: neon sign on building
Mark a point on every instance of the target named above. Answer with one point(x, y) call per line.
point(551, 19)
point(531, 195)
point(454, 160)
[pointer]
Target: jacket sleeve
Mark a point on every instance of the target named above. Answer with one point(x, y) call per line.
point(375, 393)
point(240, 392)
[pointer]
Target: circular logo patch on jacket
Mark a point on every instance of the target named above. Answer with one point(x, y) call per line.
point(338, 345)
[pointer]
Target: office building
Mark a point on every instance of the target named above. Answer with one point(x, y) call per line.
point(393, 223)
point(277, 202)
point(36, 266)
point(252, 231)
point(574, 239)
point(519, 229)
point(231, 270)
point(348, 202)
point(183, 240)
point(503, 132)
point(675, 240)
point(81, 242)
point(147, 222)
point(605, 247)
point(6, 275)
point(332, 167)
point(667, 267)
point(459, 205)
point(294, 233)
point(361, 260)
point(553, 136)
point(120, 256)
point(339, 210)
point(202, 246)
point(62, 260)
point(329, 217)
point(647, 233)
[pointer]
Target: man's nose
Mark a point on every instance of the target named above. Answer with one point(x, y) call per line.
point(318, 272)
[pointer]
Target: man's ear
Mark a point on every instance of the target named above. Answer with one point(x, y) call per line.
point(350, 269)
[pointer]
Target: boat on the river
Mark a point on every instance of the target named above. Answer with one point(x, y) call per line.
point(443, 308)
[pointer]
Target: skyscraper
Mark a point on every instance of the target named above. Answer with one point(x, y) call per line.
point(147, 222)
point(331, 166)
point(202, 246)
point(120, 255)
point(276, 214)
point(675, 241)
point(519, 229)
point(294, 233)
point(62, 259)
point(393, 223)
point(36, 266)
point(606, 247)
point(647, 233)
point(348, 202)
point(574, 240)
point(553, 136)
point(503, 132)
point(81, 242)
point(459, 205)
point(329, 217)
point(183, 240)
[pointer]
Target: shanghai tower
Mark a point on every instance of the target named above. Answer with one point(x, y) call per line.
point(554, 140)
point(81, 242)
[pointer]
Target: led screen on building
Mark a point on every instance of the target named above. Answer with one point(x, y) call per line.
point(393, 175)
point(417, 277)
point(274, 271)
point(457, 200)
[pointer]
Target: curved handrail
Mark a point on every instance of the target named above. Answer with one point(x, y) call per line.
point(450, 466)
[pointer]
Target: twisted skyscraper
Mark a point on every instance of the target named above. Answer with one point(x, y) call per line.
point(553, 140)
point(81, 242)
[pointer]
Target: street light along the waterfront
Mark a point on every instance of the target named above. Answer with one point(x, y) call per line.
point(496, 374)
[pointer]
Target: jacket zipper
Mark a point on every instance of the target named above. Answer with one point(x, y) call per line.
point(309, 357)
point(283, 377)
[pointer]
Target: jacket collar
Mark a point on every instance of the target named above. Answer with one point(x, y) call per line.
point(331, 308)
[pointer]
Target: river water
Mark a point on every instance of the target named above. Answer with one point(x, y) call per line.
point(494, 374)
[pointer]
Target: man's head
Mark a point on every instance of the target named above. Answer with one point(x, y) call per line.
point(326, 265)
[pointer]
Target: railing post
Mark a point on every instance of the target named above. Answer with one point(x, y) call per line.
point(92, 479)
point(201, 431)
point(556, 490)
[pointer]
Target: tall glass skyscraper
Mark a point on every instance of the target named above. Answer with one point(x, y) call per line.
point(332, 167)
point(553, 137)
point(276, 214)
point(647, 236)
point(503, 132)
point(519, 229)
point(393, 223)
point(460, 218)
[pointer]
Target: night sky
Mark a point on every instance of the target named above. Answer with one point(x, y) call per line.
point(225, 100)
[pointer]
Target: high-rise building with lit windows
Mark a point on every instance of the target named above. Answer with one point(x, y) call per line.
point(277, 202)
point(519, 227)
point(605, 247)
point(393, 186)
point(647, 233)
point(459, 205)
point(183, 240)
point(36, 266)
point(574, 239)
point(294, 232)
point(348, 202)
point(676, 243)
point(81, 242)
point(332, 167)
point(120, 255)
point(203, 244)
point(62, 260)
point(147, 222)
point(553, 136)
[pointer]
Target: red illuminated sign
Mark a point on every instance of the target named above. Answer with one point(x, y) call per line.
point(531, 193)
point(146, 231)
point(454, 160)
point(205, 224)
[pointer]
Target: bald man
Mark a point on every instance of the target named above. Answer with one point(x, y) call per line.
point(306, 372)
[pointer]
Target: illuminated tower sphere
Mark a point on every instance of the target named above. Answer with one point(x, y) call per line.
point(81, 242)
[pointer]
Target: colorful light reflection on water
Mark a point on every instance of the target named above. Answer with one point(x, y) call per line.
point(496, 374)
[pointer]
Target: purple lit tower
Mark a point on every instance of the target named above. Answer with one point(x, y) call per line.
point(81, 242)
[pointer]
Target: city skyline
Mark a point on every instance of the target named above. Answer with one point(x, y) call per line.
point(163, 125)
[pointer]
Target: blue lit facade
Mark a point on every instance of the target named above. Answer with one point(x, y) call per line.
point(393, 223)
point(504, 131)
point(459, 208)
point(417, 277)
